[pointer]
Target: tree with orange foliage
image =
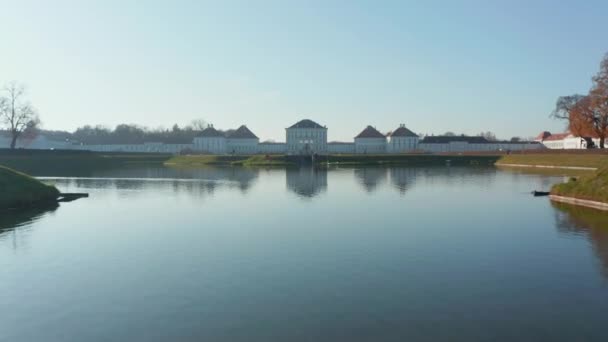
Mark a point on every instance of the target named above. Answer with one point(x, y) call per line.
point(587, 115)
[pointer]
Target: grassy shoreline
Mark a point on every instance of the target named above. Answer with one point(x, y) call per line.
point(18, 190)
point(29, 161)
point(337, 159)
point(592, 187)
point(73, 163)
point(555, 160)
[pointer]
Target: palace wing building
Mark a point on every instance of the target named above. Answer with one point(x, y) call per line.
point(307, 137)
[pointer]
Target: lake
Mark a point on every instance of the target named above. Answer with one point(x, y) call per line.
point(345, 254)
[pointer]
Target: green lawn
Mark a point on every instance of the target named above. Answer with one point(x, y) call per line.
point(410, 159)
point(589, 187)
point(19, 190)
point(73, 163)
point(340, 159)
point(555, 159)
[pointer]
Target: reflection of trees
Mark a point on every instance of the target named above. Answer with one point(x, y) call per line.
point(371, 177)
point(10, 221)
point(587, 222)
point(306, 181)
point(243, 177)
point(192, 180)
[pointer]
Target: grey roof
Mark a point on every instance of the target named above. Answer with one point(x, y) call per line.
point(370, 132)
point(442, 139)
point(402, 132)
point(306, 123)
point(242, 133)
point(210, 132)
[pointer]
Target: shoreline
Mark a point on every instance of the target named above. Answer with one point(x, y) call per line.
point(579, 202)
point(20, 191)
point(535, 166)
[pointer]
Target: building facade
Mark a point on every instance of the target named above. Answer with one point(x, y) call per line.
point(242, 141)
point(402, 140)
point(306, 137)
point(337, 147)
point(370, 141)
point(458, 144)
point(566, 141)
point(211, 141)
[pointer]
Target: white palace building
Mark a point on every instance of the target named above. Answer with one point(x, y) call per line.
point(305, 137)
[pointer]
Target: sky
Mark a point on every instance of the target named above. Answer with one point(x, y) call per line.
point(435, 66)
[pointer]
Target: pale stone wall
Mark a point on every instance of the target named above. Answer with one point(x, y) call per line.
point(370, 145)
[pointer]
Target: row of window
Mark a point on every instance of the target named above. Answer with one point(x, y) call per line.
point(306, 134)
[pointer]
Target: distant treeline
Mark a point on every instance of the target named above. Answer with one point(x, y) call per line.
point(128, 134)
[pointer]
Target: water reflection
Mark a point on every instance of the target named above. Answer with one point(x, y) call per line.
point(306, 182)
point(460, 253)
point(192, 180)
point(12, 221)
point(587, 222)
point(370, 178)
point(403, 178)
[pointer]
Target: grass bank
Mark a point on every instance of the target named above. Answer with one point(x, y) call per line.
point(410, 159)
point(554, 159)
point(592, 187)
point(18, 190)
point(73, 163)
point(338, 159)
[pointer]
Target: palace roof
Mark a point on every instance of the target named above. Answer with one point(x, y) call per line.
point(242, 133)
point(402, 131)
point(370, 132)
point(211, 132)
point(443, 139)
point(306, 123)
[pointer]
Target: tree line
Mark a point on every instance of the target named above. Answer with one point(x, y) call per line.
point(19, 120)
point(134, 134)
point(587, 115)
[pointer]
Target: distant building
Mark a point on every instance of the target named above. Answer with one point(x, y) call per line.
point(39, 142)
point(370, 141)
point(272, 148)
point(451, 144)
point(242, 141)
point(306, 137)
point(402, 140)
point(566, 141)
point(337, 147)
point(210, 140)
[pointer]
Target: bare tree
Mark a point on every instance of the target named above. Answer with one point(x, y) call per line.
point(198, 124)
point(564, 105)
point(16, 114)
point(488, 135)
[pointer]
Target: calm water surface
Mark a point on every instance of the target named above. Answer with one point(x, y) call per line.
point(367, 254)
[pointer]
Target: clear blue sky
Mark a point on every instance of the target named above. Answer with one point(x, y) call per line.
point(465, 66)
